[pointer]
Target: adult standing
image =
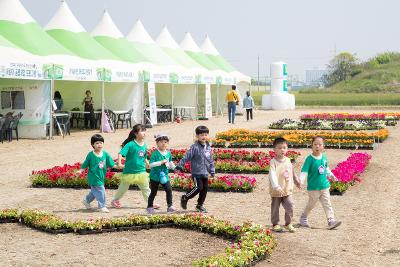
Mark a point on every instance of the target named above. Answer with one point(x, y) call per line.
point(232, 97)
point(248, 104)
point(88, 109)
point(58, 100)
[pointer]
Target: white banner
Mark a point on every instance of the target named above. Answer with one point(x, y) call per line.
point(208, 107)
point(187, 79)
point(32, 98)
point(159, 77)
point(21, 70)
point(151, 87)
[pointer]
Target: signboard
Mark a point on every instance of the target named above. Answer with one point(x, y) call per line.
point(160, 78)
point(21, 70)
point(208, 107)
point(26, 96)
point(187, 79)
point(151, 88)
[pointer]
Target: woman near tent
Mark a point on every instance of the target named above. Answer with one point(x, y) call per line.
point(58, 100)
point(89, 111)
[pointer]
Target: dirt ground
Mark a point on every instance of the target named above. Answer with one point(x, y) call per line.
point(370, 211)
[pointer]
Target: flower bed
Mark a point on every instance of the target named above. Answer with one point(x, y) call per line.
point(67, 177)
point(227, 161)
point(238, 154)
point(348, 172)
point(250, 242)
point(289, 124)
point(343, 139)
point(389, 117)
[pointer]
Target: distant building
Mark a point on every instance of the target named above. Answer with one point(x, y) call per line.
point(314, 77)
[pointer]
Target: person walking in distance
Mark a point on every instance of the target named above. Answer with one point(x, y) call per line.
point(232, 97)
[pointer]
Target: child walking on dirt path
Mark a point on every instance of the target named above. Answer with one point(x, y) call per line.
point(202, 165)
point(134, 150)
point(281, 178)
point(160, 163)
point(316, 171)
point(97, 161)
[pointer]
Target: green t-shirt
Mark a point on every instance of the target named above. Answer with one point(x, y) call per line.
point(134, 155)
point(97, 167)
point(156, 172)
point(316, 170)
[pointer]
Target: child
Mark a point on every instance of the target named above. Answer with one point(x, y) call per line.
point(160, 162)
point(97, 161)
point(202, 165)
point(134, 150)
point(281, 177)
point(316, 170)
point(248, 104)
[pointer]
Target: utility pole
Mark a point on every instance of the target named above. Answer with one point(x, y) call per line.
point(258, 73)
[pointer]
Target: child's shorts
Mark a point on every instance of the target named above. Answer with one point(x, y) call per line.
point(137, 178)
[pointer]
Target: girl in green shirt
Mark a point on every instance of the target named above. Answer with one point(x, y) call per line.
point(134, 150)
point(316, 171)
point(160, 163)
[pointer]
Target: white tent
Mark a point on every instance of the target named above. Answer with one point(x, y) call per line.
point(184, 94)
point(116, 91)
point(142, 41)
point(242, 81)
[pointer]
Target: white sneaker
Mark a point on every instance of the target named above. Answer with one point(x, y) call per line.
point(104, 210)
point(86, 204)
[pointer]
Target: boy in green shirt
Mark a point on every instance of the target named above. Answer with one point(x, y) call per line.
point(316, 171)
point(97, 161)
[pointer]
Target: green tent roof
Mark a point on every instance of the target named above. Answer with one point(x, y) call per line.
point(31, 38)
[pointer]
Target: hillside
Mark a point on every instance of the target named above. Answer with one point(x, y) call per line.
point(379, 74)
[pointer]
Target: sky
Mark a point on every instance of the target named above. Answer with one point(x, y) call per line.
point(303, 33)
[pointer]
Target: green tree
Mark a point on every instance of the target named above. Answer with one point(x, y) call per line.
point(340, 68)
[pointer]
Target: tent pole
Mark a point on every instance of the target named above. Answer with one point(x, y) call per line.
point(172, 103)
point(197, 102)
point(217, 100)
point(102, 104)
point(51, 103)
point(143, 104)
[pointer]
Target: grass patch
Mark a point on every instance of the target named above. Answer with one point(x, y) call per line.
point(340, 99)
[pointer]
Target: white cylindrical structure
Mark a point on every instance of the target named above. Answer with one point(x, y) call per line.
point(278, 86)
point(291, 101)
point(279, 101)
point(266, 102)
point(278, 70)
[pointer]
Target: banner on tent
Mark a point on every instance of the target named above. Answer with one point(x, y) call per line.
point(186, 79)
point(151, 87)
point(209, 79)
point(29, 97)
point(72, 73)
point(208, 107)
point(124, 75)
point(21, 70)
point(160, 77)
point(227, 80)
point(79, 73)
